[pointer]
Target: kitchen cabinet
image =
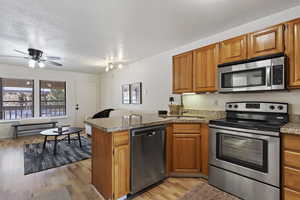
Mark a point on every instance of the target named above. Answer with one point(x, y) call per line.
point(183, 73)
point(186, 153)
point(121, 175)
point(266, 42)
point(291, 166)
point(234, 49)
point(292, 34)
point(110, 163)
point(205, 63)
point(189, 149)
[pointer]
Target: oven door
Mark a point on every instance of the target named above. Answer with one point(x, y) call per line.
point(245, 77)
point(251, 155)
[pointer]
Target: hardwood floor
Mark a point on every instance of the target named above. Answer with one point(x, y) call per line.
point(75, 178)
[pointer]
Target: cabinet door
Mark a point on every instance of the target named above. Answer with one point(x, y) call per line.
point(293, 52)
point(266, 42)
point(234, 49)
point(205, 68)
point(183, 73)
point(121, 171)
point(186, 153)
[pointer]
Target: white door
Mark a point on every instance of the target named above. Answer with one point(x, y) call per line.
point(86, 99)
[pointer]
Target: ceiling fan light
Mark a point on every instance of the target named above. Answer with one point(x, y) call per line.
point(31, 63)
point(111, 66)
point(120, 66)
point(107, 69)
point(41, 64)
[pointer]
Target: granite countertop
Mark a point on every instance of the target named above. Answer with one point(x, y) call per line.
point(127, 122)
point(291, 128)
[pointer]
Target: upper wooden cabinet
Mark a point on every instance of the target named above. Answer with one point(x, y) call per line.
point(293, 52)
point(234, 49)
point(205, 68)
point(266, 42)
point(183, 73)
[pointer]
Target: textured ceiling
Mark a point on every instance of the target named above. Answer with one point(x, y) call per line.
point(87, 32)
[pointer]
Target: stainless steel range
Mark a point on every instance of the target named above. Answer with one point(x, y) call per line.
point(244, 154)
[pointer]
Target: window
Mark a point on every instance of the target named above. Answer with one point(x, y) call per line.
point(52, 98)
point(16, 99)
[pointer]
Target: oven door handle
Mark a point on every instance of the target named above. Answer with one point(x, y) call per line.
point(237, 133)
point(268, 76)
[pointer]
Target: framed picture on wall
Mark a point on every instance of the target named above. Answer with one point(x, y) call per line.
point(136, 93)
point(126, 94)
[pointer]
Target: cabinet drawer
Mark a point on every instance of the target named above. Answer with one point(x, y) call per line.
point(291, 142)
point(292, 159)
point(121, 138)
point(292, 178)
point(290, 194)
point(186, 128)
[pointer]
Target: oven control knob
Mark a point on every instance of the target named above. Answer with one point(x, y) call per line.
point(229, 106)
point(272, 107)
point(280, 107)
point(236, 106)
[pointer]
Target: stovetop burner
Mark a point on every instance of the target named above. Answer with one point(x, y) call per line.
point(264, 116)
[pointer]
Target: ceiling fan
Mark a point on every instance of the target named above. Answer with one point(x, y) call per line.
point(36, 56)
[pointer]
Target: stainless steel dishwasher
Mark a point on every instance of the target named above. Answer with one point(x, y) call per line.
point(147, 157)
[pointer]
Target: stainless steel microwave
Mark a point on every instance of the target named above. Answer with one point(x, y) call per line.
point(261, 75)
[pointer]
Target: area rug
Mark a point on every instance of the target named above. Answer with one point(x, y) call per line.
point(35, 160)
point(204, 191)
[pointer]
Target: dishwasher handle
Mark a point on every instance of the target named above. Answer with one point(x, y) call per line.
point(151, 134)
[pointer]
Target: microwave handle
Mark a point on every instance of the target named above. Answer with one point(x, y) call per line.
point(268, 75)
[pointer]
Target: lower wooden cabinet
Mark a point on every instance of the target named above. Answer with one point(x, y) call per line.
point(188, 144)
point(111, 163)
point(121, 157)
point(291, 167)
point(186, 153)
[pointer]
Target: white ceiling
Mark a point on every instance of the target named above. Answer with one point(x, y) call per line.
point(87, 32)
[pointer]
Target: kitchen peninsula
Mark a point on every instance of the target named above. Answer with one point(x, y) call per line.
point(111, 149)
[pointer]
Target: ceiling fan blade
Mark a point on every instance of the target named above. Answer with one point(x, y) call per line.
point(7, 56)
point(53, 57)
point(22, 52)
point(54, 63)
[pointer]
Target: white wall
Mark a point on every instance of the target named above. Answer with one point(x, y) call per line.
point(156, 75)
point(72, 93)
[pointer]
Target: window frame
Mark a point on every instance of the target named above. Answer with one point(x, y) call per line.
point(1, 99)
point(40, 98)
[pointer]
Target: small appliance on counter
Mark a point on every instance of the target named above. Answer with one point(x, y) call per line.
point(244, 149)
point(260, 74)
